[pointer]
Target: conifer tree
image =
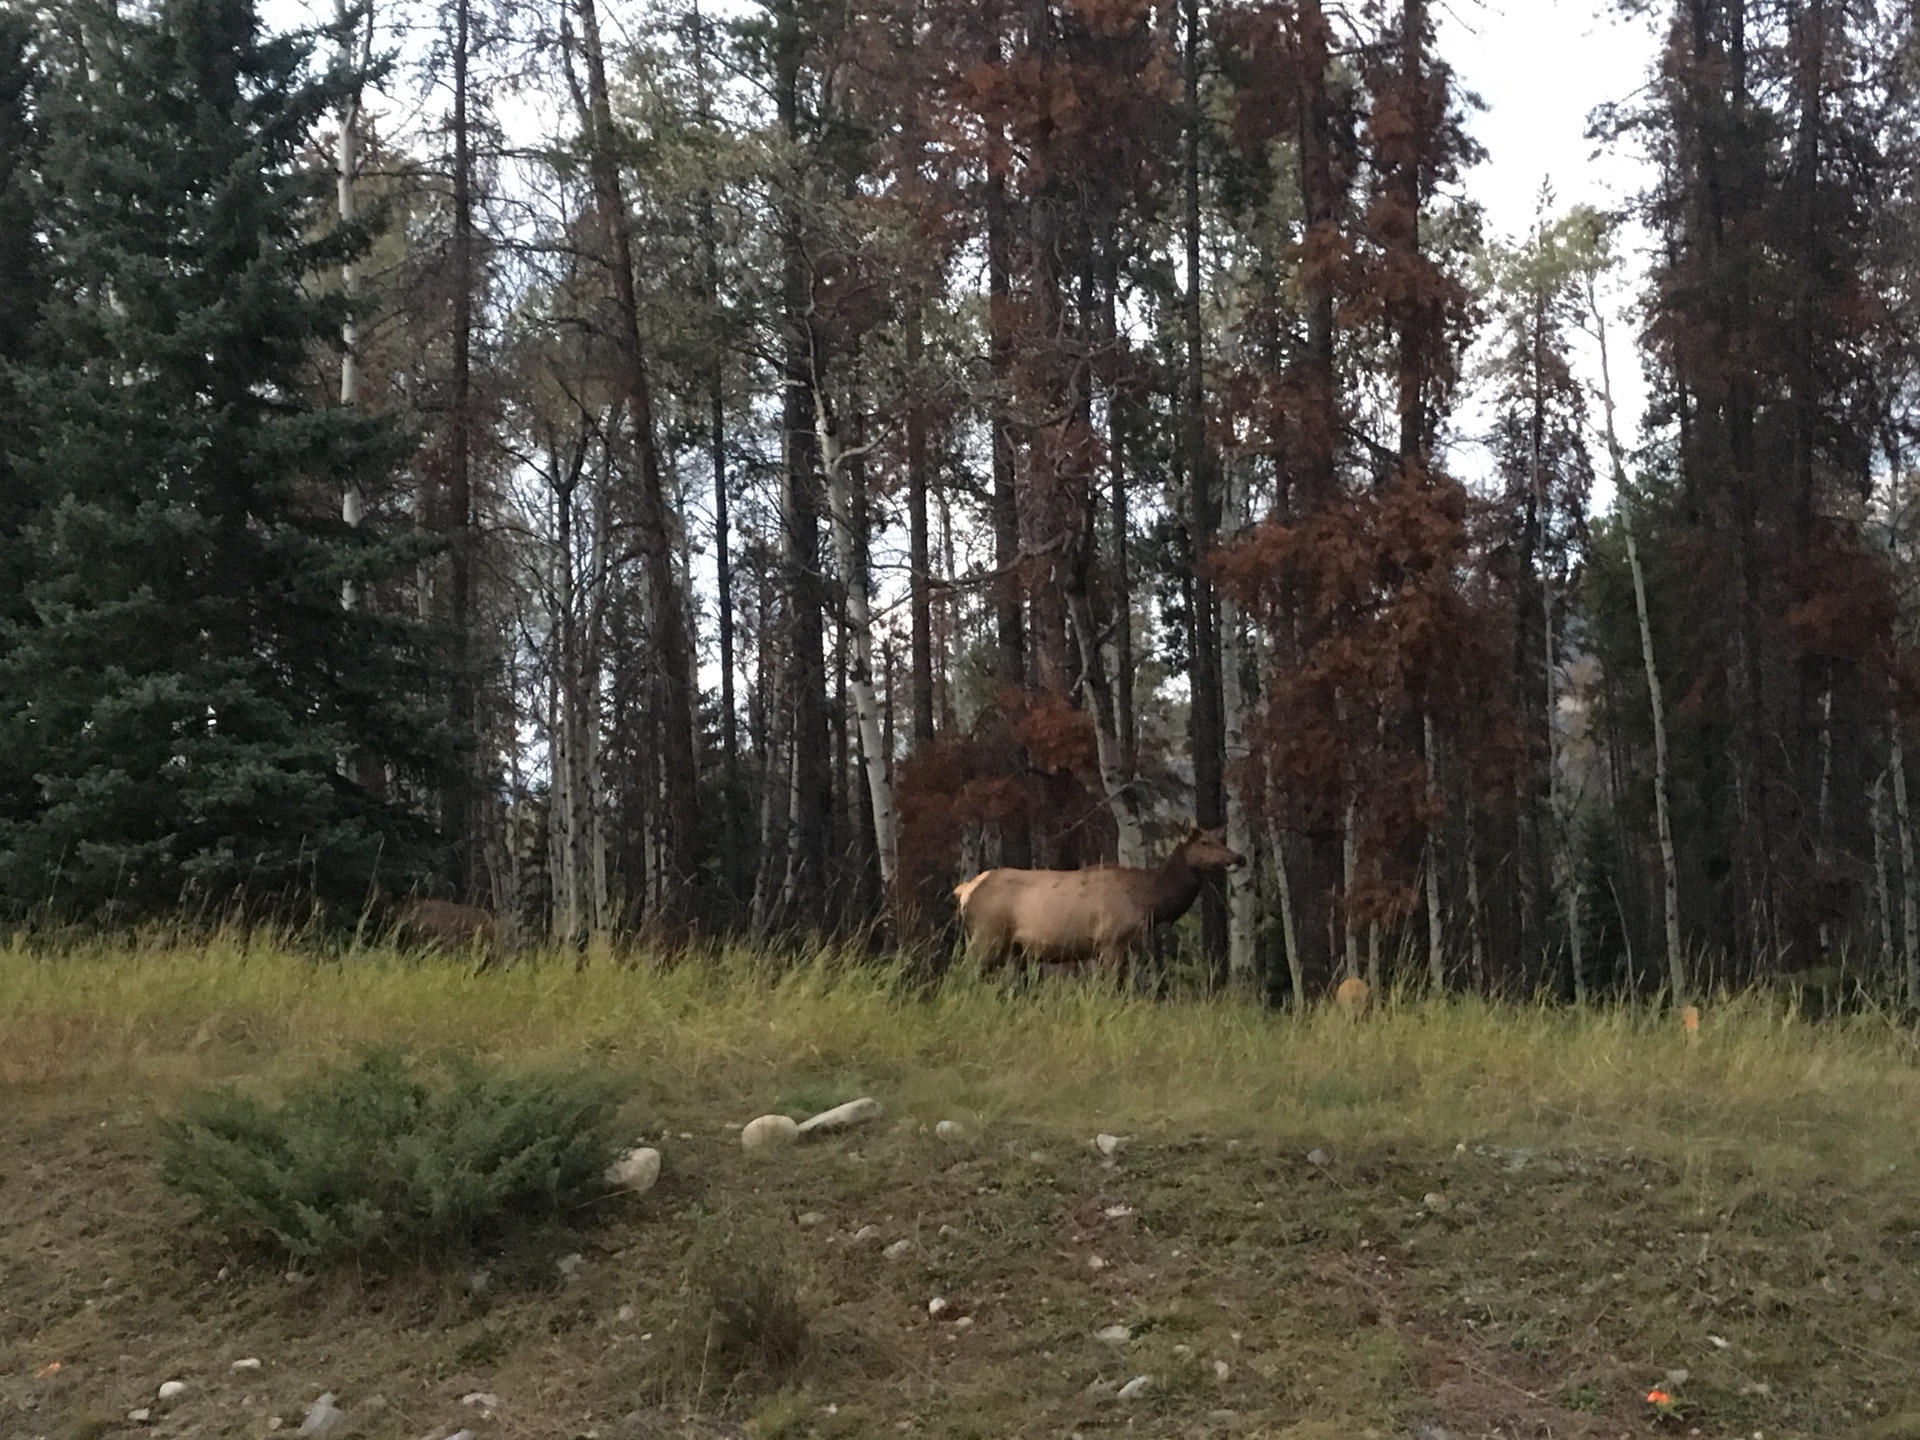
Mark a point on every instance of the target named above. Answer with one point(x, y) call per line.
point(188, 682)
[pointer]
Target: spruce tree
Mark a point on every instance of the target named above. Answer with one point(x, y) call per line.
point(187, 684)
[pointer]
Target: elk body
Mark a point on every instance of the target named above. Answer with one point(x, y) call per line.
point(1098, 913)
point(445, 924)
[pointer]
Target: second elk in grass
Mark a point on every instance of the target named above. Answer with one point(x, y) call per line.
point(1098, 914)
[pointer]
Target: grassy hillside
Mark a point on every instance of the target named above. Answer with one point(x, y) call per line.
point(1494, 1220)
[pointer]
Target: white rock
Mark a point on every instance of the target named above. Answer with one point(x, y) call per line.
point(1113, 1334)
point(866, 1233)
point(1719, 1342)
point(1434, 1200)
point(1135, 1388)
point(461, 1435)
point(899, 1250)
point(481, 1398)
point(1118, 1212)
point(247, 1364)
point(625, 1312)
point(950, 1130)
point(1183, 1351)
point(636, 1170)
point(947, 1232)
point(840, 1117)
point(1106, 1144)
point(811, 1219)
point(1094, 1262)
point(478, 1281)
point(1221, 1370)
point(936, 1307)
point(567, 1264)
point(323, 1417)
point(1677, 1378)
point(140, 1416)
point(767, 1131)
point(1316, 1156)
point(172, 1388)
point(964, 1322)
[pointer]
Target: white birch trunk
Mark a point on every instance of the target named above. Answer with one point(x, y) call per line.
point(1669, 865)
point(1289, 936)
point(860, 626)
point(1349, 867)
point(352, 506)
point(1243, 885)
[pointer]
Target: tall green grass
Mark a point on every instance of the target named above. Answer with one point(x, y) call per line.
point(1759, 1086)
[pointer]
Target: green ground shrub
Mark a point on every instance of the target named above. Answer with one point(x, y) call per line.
point(382, 1164)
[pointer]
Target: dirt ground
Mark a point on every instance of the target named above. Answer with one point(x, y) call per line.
point(1266, 1289)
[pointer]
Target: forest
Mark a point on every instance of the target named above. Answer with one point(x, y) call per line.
point(739, 473)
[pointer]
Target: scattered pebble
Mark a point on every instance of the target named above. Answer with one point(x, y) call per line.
point(323, 1417)
point(811, 1219)
point(1221, 1370)
point(866, 1233)
point(1182, 1351)
point(1118, 1212)
point(950, 1130)
point(172, 1388)
point(484, 1399)
point(625, 1312)
point(1677, 1378)
point(1113, 1334)
point(1107, 1144)
point(140, 1416)
point(636, 1171)
point(1099, 1389)
point(840, 1117)
point(936, 1307)
point(461, 1435)
point(1094, 1262)
point(250, 1363)
point(1719, 1342)
point(567, 1264)
point(965, 1322)
point(1434, 1200)
point(899, 1250)
point(477, 1281)
point(1135, 1388)
point(1316, 1156)
point(947, 1232)
point(769, 1130)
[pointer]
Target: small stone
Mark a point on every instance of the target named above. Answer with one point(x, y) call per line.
point(224, 1272)
point(1107, 1144)
point(1221, 1370)
point(841, 1117)
point(1118, 1212)
point(247, 1364)
point(1677, 1378)
point(1434, 1201)
point(1113, 1334)
point(947, 1232)
point(172, 1388)
point(1316, 1156)
point(140, 1416)
point(478, 1281)
point(485, 1400)
point(461, 1435)
point(1719, 1342)
point(636, 1171)
point(323, 1417)
point(865, 1234)
point(768, 1131)
point(811, 1219)
point(963, 1323)
point(899, 1250)
point(950, 1130)
point(1182, 1351)
point(273, 1422)
point(1094, 1262)
point(567, 1264)
point(1134, 1388)
point(624, 1313)
point(937, 1307)
point(1100, 1389)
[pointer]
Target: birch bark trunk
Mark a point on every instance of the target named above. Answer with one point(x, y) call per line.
point(840, 503)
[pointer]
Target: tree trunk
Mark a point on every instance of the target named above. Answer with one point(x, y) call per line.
point(1436, 952)
point(841, 506)
point(1880, 889)
point(673, 650)
point(1669, 864)
point(1349, 873)
point(1009, 628)
point(1909, 876)
point(352, 505)
point(920, 598)
point(1114, 781)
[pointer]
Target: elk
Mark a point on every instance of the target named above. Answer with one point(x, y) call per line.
point(1098, 913)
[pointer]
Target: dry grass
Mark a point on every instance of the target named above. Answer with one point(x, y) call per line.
point(1614, 1201)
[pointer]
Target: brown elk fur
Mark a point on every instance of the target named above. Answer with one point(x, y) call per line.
point(1352, 996)
point(1097, 913)
point(444, 923)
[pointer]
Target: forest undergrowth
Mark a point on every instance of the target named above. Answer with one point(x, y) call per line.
point(1498, 1219)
